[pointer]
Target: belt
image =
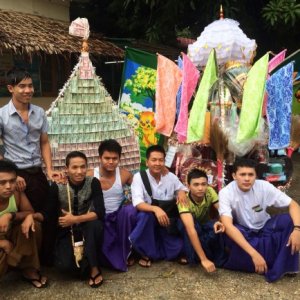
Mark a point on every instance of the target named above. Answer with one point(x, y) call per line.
point(32, 170)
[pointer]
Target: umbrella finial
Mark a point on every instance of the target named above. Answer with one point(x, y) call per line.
point(221, 13)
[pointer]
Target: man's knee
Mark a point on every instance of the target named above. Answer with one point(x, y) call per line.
point(145, 216)
point(282, 222)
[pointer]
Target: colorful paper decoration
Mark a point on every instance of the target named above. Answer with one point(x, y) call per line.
point(80, 27)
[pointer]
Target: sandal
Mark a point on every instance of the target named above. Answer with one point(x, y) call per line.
point(145, 262)
point(93, 278)
point(182, 261)
point(36, 282)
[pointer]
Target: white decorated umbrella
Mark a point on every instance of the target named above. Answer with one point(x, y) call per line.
point(228, 40)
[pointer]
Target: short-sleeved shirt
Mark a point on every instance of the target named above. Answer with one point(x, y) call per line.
point(22, 141)
point(164, 190)
point(249, 208)
point(200, 211)
point(11, 207)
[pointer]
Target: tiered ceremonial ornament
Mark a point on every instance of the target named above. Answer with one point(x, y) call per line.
point(84, 114)
point(234, 53)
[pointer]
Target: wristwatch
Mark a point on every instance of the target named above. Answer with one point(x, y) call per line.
point(13, 216)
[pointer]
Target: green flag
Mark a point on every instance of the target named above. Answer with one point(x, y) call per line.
point(196, 121)
point(254, 90)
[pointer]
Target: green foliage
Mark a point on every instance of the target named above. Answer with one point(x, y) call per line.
point(279, 12)
point(184, 32)
point(142, 82)
point(153, 20)
point(273, 23)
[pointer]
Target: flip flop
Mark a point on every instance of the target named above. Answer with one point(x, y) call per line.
point(182, 261)
point(35, 281)
point(145, 262)
point(93, 278)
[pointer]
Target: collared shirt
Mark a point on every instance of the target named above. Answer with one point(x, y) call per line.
point(21, 140)
point(200, 211)
point(249, 208)
point(164, 190)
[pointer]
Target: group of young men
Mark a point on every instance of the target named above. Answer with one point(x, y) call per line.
point(80, 222)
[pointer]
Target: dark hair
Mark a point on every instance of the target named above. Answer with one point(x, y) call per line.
point(7, 166)
point(15, 76)
point(74, 154)
point(196, 173)
point(244, 162)
point(110, 146)
point(155, 148)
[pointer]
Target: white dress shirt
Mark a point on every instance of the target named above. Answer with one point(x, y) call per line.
point(164, 190)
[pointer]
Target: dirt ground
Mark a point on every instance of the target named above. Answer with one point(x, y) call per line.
point(164, 280)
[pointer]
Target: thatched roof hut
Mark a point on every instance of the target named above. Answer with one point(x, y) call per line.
point(28, 34)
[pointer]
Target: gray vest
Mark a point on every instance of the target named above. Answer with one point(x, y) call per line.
point(84, 196)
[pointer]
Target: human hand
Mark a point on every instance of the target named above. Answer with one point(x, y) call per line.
point(20, 184)
point(55, 175)
point(294, 241)
point(161, 217)
point(67, 220)
point(6, 245)
point(259, 263)
point(219, 227)
point(208, 265)
point(181, 198)
point(4, 222)
point(27, 225)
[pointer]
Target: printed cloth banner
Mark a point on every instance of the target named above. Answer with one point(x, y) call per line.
point(169, 78)
point(273, 63)
point(189, 84)
point(253, 97)
point(137, 96)
point(280, 95)
point(178, 96)
point(196, 122)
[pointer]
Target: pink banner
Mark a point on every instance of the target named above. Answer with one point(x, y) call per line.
point(168, 80)
point(276, 60)
point(189, 83)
